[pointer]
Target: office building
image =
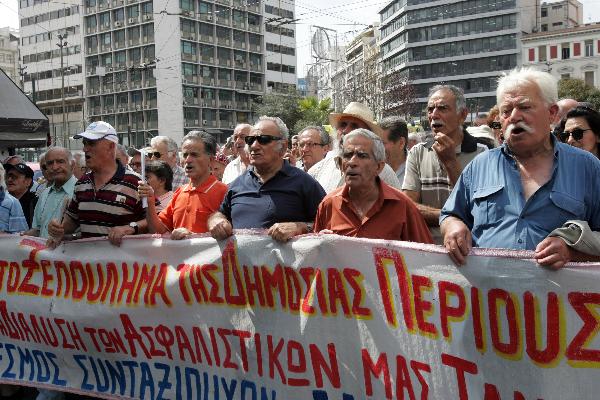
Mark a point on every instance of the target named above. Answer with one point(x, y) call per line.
point(9, 53)
point(560, 15)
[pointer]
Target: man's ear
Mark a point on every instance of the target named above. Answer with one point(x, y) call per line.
point(380, 166)
point(553, 112)
point(463, 115)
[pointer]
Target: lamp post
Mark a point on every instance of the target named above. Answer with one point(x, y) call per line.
point(61, 45)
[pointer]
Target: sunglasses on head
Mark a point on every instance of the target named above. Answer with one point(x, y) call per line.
point(496, 125)
point(262, 139)
point(154, 154)
point(577, 134)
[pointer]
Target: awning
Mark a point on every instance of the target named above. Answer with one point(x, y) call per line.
point(22, 124)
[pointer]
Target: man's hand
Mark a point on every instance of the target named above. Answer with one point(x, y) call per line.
point(284, 231)
point(552, 252)
point(56, 230)
point(219, 226)
point(180, 233)
point(115, 234)
point(445, 147)
point(457, 239)
point(145, 190)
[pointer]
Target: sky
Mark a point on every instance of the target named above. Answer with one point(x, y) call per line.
point(346, 17)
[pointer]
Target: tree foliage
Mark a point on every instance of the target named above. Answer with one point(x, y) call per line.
point(297, 112)
point(579, 90)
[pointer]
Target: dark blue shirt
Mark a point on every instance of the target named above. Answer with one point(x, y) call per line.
point(489, 199)
point(290, 196)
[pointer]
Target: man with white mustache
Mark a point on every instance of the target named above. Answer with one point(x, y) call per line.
point(432, 168)
point(515, 195)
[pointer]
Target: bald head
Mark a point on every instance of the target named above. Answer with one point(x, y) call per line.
point(564, 106)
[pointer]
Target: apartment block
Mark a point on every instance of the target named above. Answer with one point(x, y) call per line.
point(41, 24)
point(465, 43)
point(280, 45)
point(9, 53)
point(560, 15)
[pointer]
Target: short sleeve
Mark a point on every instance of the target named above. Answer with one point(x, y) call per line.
point(412, 179)
point(459, 201)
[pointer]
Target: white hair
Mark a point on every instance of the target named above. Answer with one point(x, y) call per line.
point(518, 77)
point(378, 147)
point(79, 158)
point(283, 129)
point(171, 144)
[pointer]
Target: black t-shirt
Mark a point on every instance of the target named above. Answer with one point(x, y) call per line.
point(28, 202)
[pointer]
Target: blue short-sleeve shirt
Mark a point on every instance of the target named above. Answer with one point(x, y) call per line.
point(489, 199)
point(12, 219)
point(290, 196)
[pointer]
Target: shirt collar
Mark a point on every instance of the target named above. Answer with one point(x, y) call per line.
point(556, 146)
point(286, 169)
point(67, 186)
point(469, 143)
point(204, 186)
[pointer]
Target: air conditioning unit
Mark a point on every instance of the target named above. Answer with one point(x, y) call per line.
point(147, 17)
point(229, 63)
point(227, 41)
point(138, 107)
point(204, 122)
point(227, 106)
point(210, 59)
point(209, 18)
point(232, 126)
point(146, 106)
point(196, 122)
point(204, 105)
point(117, 24)
point(132, 20)
point(191, 37)
point(185, 81)
point(121, 109)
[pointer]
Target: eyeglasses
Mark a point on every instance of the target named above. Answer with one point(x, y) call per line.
point(310, 145)
point(577, 134)
point(262, 139)
point(154, 154)
point(496, 125)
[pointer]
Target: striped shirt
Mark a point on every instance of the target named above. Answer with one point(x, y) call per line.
point(117, 203)
point(179, 177)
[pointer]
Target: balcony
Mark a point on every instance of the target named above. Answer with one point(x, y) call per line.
point(150, 82)
point(226, 124)
point(208, 81)
point(239, 45)
point(206, 17)
point(254, 28)
point(241, 65)
point(238, 24)
point(147, 17)
point(224, 41)
point(225, 2)
point(207, 60)
point(92, 50)
point(224, 62)
point(223, 21)
point(225, 104)
point(225, 83)
point(152, 124)
point(190, 79)
point(189, 57)
point(255, 67)
point(118, 3)
point(255, 47)
point(209, 123)
point(190, 101)
point(188, 35)
point(207, 38)
point(208, 103)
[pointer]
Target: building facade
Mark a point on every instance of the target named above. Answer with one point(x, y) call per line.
point(41, 24)
point(465, 43)
point(566, 53)
point(280, 46)
point(560, 15)
point(9, 53)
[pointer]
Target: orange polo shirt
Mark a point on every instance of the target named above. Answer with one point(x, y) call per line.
point(190, 207)
point(393, 217)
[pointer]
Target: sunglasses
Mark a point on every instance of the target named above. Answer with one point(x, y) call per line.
point(577, 134)
point(154, 154)
point(262, 139)
point(496, 125)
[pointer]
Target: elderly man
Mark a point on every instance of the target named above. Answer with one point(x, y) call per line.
point(115, 209)
point(165, 149)
point(365, 206)
point(328, 171)
point(79, 168)
point(191, 205)
point(271, 194)
point(12, 219)
point(19, 179)
point(135, 160)
point(514, 196)
point(313, 144)
point(239, 165)
point(53, 200)
point(432, 168)
point(394, 133)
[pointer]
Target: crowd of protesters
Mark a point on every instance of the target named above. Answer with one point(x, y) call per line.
point(525, 176)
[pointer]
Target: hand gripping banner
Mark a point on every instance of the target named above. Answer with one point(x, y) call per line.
point(320, 318)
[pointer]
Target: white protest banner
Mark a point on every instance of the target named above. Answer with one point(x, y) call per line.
point(321, 318)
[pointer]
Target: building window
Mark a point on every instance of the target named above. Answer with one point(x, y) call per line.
point(566, 51)
point(565, 76)
point(544, 12)
point(553, 52)
point(544, 27)
point(589, 78)
point(576, 49)
point(542, 53)
point(589, 48)
point(557, 24)
point(531, 54)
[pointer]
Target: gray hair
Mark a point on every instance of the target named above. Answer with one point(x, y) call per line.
point(459, 95)
point(67, 152)
point(79, 157)
point(324, 136)
point(2, 181)
point(171, 144)
point(518, 77)
point(283, 129)
point(210, 143)
point(378, 148)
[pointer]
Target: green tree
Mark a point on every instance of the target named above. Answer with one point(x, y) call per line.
point(579, 90)
point(282, 105)
point(314, 112)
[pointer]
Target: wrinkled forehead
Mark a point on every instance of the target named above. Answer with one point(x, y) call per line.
point(311, 134)
point(266, 128)
point(442, 98)
point(242, 132)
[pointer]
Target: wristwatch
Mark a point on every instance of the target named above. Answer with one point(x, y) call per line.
point(135, 227)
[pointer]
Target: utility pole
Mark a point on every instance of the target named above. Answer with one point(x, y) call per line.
point(22, 73)
point(61, 45)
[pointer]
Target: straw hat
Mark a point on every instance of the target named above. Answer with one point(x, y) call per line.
point(359, 111)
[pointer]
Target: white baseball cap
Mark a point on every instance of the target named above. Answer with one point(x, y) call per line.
point(99, 130)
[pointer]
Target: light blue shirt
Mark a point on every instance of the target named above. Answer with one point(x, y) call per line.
point(51, 205)
point(12, 219)
point(489, 199)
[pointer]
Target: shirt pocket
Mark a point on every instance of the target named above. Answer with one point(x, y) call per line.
point(567, 207)
point(488, 205)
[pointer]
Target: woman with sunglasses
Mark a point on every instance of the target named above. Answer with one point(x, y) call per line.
point(581, 128)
